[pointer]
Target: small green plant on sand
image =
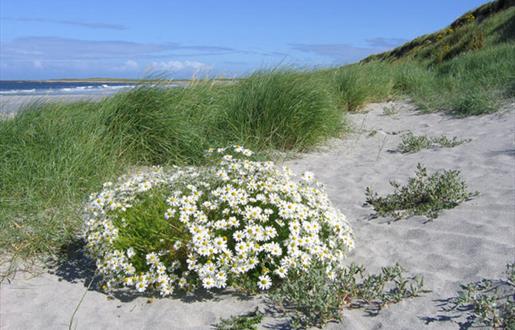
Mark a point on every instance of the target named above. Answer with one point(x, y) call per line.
point(489, 302)
point(390, 111)
point(248, 321)
point(316, 297)
point(411, 143)
point(424, 194)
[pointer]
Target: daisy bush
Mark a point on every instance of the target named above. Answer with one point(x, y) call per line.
point(235, 222)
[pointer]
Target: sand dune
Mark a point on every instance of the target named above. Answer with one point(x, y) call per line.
point(472, 241)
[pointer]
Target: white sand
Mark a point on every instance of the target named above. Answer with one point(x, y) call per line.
point(472, 241)
point(10, 104)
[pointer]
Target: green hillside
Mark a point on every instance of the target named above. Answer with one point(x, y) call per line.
point(488, 25)
point(467, 68)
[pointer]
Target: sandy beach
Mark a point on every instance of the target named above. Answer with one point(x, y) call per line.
point(472, 241)
point(10, 104)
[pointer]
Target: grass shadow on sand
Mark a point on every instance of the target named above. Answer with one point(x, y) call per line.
point(443, 315)
point(473, 312)
point(506, 152)
point(74, 266)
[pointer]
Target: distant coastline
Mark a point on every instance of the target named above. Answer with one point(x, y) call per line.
point(93, 80)
point(114, 80)
point(15, 94)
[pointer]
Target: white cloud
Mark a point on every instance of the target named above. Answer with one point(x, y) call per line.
point(173, 65)
point(37, 64)
point(340, 53)
point(129, 65)
point(91, 25)
point(56, 48)
point(381, 42)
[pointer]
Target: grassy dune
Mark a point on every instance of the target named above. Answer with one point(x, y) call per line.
point(470, 84)
point(466, 68)
point(53, 155)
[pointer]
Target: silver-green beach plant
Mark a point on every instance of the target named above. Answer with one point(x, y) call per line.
point(425, 194)
point(411, 143)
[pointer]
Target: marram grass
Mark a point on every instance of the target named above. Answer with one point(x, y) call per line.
point(53, 155)
point(282, 110)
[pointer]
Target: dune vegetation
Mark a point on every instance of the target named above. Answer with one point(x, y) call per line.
point(465, 69)
point(52, 156)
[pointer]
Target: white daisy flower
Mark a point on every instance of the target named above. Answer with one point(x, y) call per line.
point(208, 282)
point(264, 282)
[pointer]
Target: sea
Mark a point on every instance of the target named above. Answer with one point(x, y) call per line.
point(37, 88)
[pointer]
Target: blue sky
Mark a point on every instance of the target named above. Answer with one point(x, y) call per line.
point(79, 39)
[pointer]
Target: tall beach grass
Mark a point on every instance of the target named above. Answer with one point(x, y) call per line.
point(283, 110)
point(53, 155)
point(471, 84)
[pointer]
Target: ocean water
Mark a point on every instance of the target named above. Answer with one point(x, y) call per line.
point(35, 88)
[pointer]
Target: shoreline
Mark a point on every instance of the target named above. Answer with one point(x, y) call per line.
point(11, 104)
point(118, 81)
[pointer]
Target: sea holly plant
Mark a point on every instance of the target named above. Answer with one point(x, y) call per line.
point(425, 194)
point(235, 222)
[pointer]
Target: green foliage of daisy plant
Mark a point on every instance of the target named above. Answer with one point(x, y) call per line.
point(235, 222)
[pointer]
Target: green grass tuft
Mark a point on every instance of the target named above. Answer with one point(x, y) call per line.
point(411, 143)
point(357, 84)
point(280, 109)
point(154, 125)
point(248, 321)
